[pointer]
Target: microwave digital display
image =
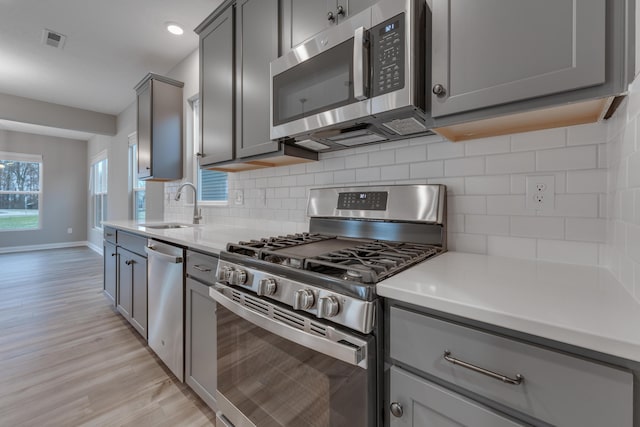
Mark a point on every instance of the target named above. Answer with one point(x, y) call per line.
point(388, 56)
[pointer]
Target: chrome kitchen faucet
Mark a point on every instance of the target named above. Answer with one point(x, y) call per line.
point(197, 213)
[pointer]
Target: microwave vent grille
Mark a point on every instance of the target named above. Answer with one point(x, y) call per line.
point(406, 126)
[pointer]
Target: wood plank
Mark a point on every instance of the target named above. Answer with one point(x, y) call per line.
point(67, 358)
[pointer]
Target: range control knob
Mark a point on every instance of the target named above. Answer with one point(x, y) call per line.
point(238, 277)
point(267, 287)
point(223, 273)
point(328, 307)
point(303, 299)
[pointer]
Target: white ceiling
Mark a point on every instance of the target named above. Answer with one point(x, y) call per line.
point(111, 45)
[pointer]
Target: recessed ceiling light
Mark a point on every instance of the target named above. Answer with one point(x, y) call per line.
point(174, 28)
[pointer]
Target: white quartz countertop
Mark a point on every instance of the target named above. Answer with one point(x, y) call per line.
point(580, 305)
point(211, 238)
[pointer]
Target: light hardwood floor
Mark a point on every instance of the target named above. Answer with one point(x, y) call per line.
point(68, 359)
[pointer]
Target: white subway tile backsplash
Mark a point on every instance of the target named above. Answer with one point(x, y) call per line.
point(633, 242)
point(511, 163)
point(297, 169)
point(307, 179)
point(602, 156)
point(486, 224)
point(586, 229)
point(567, 158)
point(412, 154)
point(634, 170)
point(494, 184)
point(467, 204)
point(323, 178)
point(593, 133)
point(334, 164)
point(464, 167)
point(495, 145)
point(568, 252)
point(281, 193)
point(394, 172)
point(345, 176)
point(356, 161)
point(426, 169)
point(382, 158)
point(507, 205)
point(587, 181)
point(444, 150)
point(538, 227)
point(472, 243)
point(455, 186)
point(368, 174)
point(540, 140)
point(315, 167)
point(575, 205)
point(515, 247)
point(455, 223)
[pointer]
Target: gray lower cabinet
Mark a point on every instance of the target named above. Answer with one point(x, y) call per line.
point(110, 270)
point(417, 402)
point(489, 52)
point(200, 341)
point(532, 383)
point(132, 289)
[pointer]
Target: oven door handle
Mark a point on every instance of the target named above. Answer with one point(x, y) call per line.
point(344, 347)
point(360, 64)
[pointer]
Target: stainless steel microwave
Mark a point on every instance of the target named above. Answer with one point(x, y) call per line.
point(359, 82)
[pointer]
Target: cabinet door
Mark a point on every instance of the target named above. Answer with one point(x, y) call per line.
point(491, 52)
point(426, 404)
point(139, 294)
point(257, 46)
point(217, 90)
point(125, 282)
point(303, 19)
point(144, 132)
point(200, 342)
point(110, 270)
point(352, 7)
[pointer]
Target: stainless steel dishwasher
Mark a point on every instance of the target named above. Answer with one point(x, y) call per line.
point(165, 304)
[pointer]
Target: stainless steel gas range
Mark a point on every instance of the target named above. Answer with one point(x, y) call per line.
point(299, 325)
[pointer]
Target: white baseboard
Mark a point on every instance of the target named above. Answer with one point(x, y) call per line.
point(27, 248)
point(97, 249)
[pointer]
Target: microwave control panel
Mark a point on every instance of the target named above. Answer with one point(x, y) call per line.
point(387, 54)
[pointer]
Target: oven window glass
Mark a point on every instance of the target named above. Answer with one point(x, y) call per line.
point(275, 382)
point(318, 84)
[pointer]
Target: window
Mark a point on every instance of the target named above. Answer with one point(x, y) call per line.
point(20, 191)
point(137, 186)
point(212, 185)
point(99, 190)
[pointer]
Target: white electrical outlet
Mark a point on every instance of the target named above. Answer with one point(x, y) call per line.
point(69, 230)
point(541, 192)
point(239, 197)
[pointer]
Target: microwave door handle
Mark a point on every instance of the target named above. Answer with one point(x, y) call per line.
point(360, 64)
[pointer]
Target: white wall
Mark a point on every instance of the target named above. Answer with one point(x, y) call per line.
point(64, 189)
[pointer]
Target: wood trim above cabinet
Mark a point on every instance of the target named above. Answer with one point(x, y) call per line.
point(565, 115)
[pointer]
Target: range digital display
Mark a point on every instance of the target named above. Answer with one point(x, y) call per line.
point(367, 201)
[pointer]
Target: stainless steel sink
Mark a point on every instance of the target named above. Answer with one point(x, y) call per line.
point(165, 226)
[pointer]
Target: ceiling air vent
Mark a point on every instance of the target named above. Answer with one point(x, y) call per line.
point(53, 39)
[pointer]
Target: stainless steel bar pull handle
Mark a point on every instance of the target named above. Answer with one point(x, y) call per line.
point(360, 64)
point(505, 379)
point(203, 269)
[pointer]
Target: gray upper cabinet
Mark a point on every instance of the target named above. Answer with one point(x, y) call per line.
point(255, 49)
point(217, 89)
point(303, 19)
point(492, 52)
point(159, 128)
point(237, 44)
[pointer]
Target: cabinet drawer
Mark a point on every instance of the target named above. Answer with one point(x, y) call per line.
point(426, 404)
point(109, 234)
point(132, 242)
point(557, 388)
point(202, 267)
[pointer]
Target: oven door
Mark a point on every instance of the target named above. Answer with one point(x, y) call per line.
point(278, 368)
point(322, 82)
